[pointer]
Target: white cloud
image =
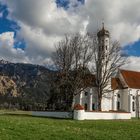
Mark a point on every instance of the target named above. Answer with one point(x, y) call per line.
point(133, 63)
point(43, 23)
point(11, 54)
point(7, 52)
point(121, 17)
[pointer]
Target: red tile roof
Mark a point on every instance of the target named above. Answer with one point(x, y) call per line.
point(132, 78)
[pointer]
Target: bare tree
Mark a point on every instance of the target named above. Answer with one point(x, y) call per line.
point(106, 65)
point(71, 59)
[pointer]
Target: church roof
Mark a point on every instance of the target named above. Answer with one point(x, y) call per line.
point(126, 79)
point(132, 78)
point(116, 84)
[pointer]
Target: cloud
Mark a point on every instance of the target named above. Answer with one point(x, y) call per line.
point(43, 23)
point(120, 17)
point(11, 54)
point(133, 63)
point(7, 52)
point(123, 16)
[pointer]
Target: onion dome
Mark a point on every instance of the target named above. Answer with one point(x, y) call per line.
point(103, 32)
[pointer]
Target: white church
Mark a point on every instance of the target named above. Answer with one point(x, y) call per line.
point(125, 89)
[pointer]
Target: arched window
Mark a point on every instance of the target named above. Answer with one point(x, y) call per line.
point(133, 106)
point(85, 106)
point(93, 106)
point(118, 105)
point(86, 93)
point(118, 95)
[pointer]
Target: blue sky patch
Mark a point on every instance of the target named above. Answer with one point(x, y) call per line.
point(5, 23)
point(65, 3)
point(62, 3)
point(20, 44)
point(133, 49)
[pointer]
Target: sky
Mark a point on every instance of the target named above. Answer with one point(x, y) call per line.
point(30, 29)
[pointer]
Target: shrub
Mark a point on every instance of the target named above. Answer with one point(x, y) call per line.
point(78, 107)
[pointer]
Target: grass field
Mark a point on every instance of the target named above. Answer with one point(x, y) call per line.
point(24, 127)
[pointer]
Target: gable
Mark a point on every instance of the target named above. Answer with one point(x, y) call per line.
point(132, 78)
point(116, 84)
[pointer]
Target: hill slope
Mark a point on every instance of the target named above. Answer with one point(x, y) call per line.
point(29, 84)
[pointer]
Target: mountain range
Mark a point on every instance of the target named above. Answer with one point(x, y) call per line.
point(27, 85)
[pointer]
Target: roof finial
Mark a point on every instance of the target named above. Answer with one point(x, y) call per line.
point(103, 24)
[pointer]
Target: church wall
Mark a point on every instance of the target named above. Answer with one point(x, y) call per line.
point(121, 96)
point(133, 106)
point(125, 100)
point(87, 98)
point(82, 115)
point(106, 103)
point(125, 97)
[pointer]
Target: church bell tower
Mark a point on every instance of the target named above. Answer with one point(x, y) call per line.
point(102, 50)
point(103, 43)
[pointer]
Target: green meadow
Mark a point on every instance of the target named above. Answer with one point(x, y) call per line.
point(23, 126)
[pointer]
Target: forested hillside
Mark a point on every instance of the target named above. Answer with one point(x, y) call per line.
point(24, 86)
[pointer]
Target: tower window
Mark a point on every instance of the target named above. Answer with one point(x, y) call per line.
point(133, 97)
point(106, 47)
